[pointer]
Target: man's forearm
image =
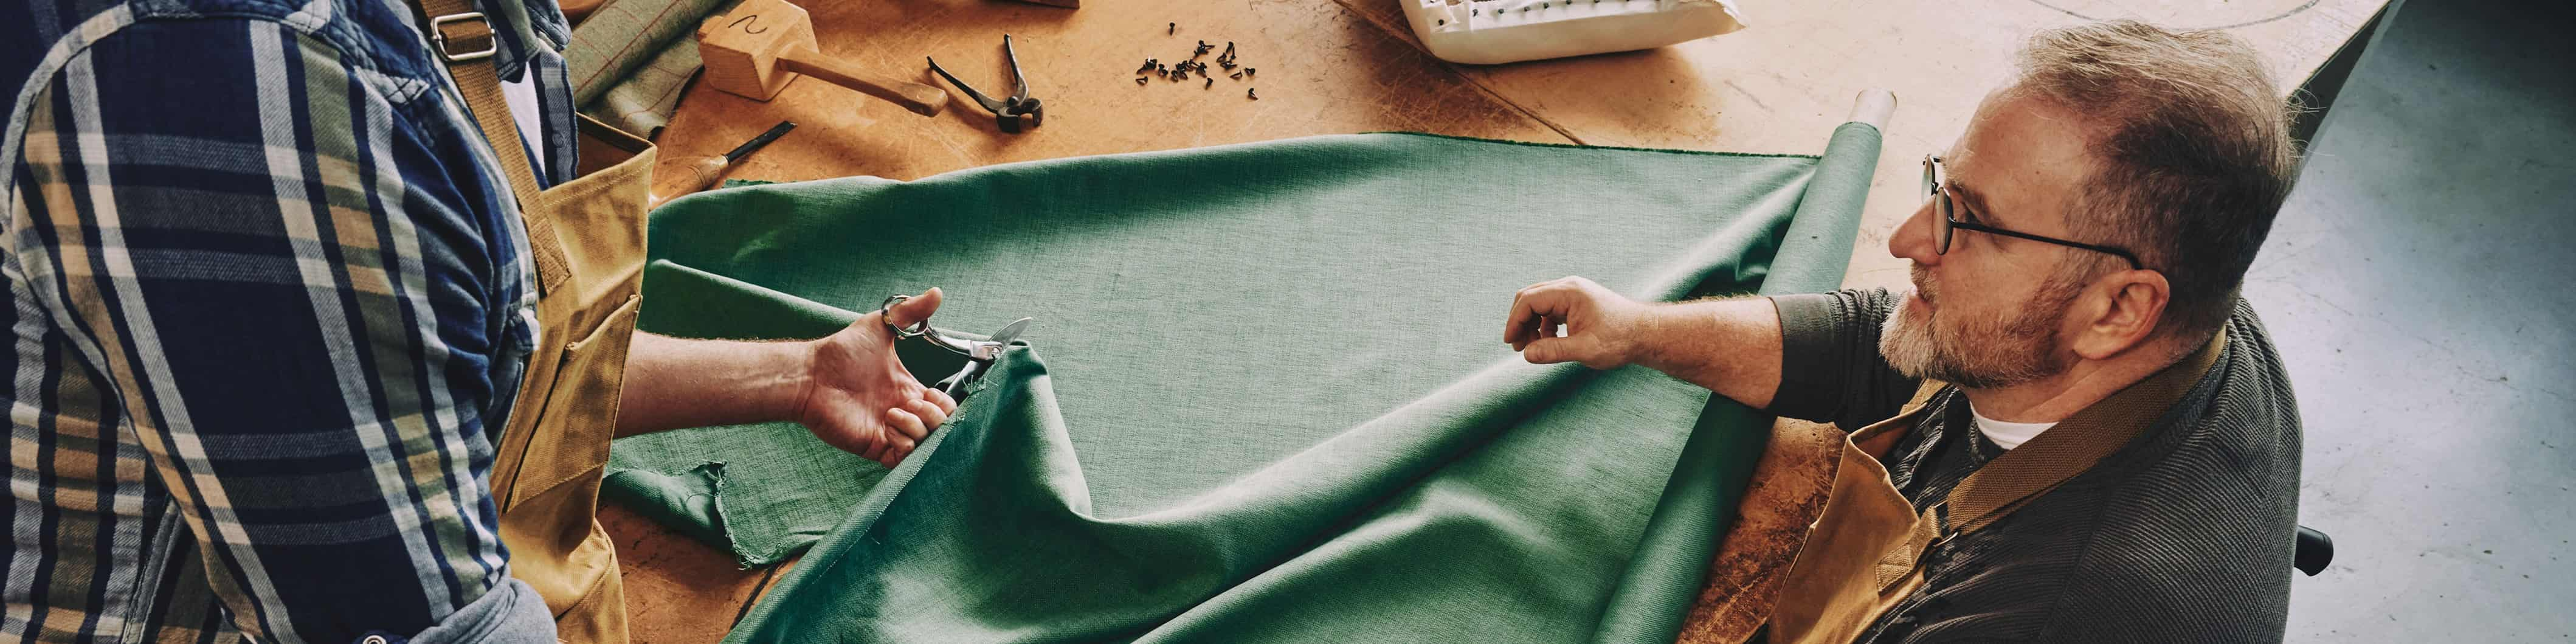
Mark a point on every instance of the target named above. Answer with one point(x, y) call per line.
point(1732, 346)
point(672, 383)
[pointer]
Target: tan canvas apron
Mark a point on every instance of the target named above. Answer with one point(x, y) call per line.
point(587, 241)
point(1864, 552)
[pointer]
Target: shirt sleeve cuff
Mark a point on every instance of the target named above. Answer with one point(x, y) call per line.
point(509, 613)
point(1810, 351)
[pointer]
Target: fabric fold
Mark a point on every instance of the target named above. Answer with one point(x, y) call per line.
point(1273, 402)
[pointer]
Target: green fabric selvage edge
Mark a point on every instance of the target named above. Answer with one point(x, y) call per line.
point(711, 511)
point(737, 183)
point(1695, 509)
point(1579, 146)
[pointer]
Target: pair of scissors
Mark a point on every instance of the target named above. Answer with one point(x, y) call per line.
point(980, 354)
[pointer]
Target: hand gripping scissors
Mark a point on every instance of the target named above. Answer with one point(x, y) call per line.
point(979, 354)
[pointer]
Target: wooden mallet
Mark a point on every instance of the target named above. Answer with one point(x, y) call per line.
point(758, 47)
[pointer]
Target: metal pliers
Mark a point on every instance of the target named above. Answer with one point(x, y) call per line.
point(980, 354)
point(1014, 113)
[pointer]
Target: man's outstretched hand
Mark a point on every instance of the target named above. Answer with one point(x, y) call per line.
point(858, 397)
point(1599, 324)
point(1731, 346)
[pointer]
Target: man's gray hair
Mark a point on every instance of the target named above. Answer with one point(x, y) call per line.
point(2192, 152)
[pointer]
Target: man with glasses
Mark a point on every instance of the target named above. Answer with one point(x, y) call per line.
point(2074, 328)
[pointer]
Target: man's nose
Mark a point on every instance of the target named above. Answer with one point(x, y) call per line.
point(1913, 237)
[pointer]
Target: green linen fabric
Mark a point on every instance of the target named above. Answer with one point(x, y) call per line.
point(1265, 398)
point(763, 492)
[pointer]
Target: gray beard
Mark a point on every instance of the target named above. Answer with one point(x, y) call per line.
point(1988, 353)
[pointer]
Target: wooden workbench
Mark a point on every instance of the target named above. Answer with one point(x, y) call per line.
point(1342, 66)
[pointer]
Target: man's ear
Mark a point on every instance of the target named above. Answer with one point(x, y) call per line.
point(2118, 312)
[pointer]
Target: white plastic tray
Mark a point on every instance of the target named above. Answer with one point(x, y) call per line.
point(1482, 32)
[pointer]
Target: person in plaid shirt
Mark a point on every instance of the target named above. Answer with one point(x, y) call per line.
point(271, 298)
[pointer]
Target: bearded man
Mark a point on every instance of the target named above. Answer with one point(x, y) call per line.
point(2088, 434)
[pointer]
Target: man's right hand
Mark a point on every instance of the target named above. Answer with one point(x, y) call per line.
point(1600, 326)
point(1730, 346)
point(858, 396)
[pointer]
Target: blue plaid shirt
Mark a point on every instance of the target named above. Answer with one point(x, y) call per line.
point(270, 301)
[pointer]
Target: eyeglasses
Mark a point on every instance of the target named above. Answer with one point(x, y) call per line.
point(1943, 207)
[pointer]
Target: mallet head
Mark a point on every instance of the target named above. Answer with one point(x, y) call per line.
point(742, 47)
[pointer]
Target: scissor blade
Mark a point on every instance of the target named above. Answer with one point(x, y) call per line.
point(955, 384)
point(1011, 332)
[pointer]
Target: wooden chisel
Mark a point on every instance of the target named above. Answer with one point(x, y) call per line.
point(702, 173)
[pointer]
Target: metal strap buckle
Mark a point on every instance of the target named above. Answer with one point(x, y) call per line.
point(438, 37)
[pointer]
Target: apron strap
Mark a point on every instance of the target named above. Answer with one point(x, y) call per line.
point(1881, 436)
point(2071, 447)
point(463, 39)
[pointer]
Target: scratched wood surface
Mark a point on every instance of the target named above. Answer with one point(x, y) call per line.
point(1342, 66)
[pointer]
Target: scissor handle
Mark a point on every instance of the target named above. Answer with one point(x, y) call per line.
point(922, 329)
point(885, 314)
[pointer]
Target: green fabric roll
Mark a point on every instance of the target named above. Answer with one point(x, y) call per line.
point(1273, 404)
point(1716, 465)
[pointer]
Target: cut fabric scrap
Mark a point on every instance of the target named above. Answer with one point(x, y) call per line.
point(694, 494)
point(643, 101)
point(1265, 397)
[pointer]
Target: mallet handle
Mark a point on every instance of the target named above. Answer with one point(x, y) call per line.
point(921, 99)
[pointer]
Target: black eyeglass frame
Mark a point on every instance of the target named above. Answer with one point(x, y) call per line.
point(1944, 220)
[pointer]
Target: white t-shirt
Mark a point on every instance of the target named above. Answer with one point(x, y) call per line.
point(2007, 435)
point(522, 98)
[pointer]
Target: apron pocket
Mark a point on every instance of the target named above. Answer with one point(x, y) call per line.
point(571, 438)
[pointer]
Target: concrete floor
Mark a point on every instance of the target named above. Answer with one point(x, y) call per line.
point(2418, 284)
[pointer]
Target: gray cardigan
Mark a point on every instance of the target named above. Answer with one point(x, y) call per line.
point(2184, 535)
